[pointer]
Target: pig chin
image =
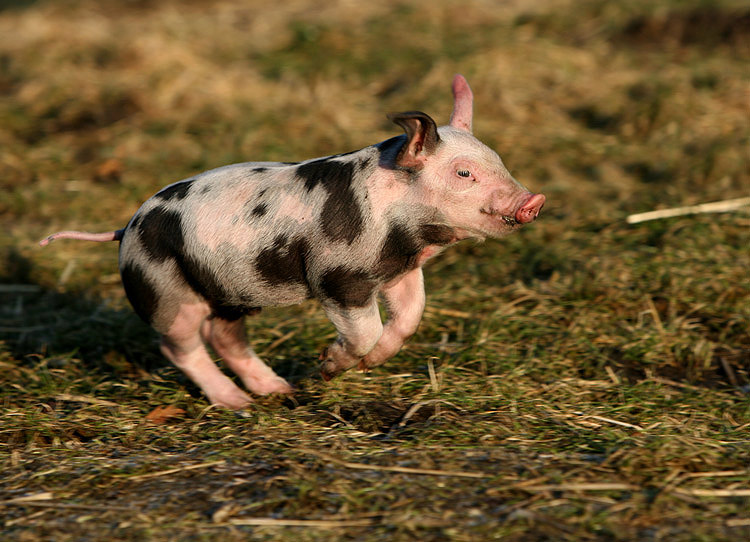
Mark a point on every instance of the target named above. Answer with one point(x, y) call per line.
point(498, 222)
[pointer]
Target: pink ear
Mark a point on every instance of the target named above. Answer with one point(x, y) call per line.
point(462, 104)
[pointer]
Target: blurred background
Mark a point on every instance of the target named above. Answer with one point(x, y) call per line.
point(579, 349)
point(608, 108)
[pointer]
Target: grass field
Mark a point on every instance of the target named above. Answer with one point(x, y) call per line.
point(584, 379)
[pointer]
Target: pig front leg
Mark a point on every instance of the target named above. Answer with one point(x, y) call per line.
point(404, 301)
point(359, 330)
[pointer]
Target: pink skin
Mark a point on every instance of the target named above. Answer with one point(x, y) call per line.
point(530, 210)
point(463, 104)
point(229, 340)
point(183, 345)
point(404, 300)
point(220, 214)
point(293, 207)
point(83, 236)
point(360, 330)
point(384, 188)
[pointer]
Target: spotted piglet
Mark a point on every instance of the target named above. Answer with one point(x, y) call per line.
point(206, 251)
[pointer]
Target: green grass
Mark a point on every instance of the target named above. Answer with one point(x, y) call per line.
point(581, 380)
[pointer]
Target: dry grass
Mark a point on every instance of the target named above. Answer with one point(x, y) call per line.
point(583, 380)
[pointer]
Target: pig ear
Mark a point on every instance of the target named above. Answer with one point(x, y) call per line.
point(462, 104)
point(421, 138)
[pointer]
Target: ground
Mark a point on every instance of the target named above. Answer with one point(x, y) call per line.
point(584, 379)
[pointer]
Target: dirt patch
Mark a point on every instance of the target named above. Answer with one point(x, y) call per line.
point(384, 417)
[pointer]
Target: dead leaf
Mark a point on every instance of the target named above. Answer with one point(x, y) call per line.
point(163, 413)
point(109, 171)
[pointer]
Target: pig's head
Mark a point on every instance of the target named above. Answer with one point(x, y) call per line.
point(462, 178)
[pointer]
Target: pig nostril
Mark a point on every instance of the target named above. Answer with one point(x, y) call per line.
point(530, 210)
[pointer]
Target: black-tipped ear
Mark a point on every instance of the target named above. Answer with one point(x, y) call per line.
point(421, 135)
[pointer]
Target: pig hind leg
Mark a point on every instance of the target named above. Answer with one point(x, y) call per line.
point(228, 339)
point(183, 345)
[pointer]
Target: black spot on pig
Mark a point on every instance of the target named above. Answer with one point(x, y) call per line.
point(398, 253)
point(341, 218)
point(175, 191)
point(348, 287)
point(232, 312)
point(260, 169)
point(389, 150)
point(284, 261)
point(140, 291)
point(335, 176)
point(160, 233)
point(259, 210)
point(134, 223)
point(205, 282)
point(436, 234)
point(364, 164)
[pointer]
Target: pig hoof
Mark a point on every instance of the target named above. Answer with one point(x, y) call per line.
point(235, 400)
point(368, 364)
point(329, 370)
point(271, 385)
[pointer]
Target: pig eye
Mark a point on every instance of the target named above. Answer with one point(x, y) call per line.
point(463, 173)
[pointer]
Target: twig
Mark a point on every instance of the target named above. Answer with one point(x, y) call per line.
point(593, 486)
point(713, 207)
point(172, 471)
point(280, 341)
point(36, 497)
point(616, 422)
point(450, 312)
point(403, 470)
point(668, 382)
point(44, 500)
point(69, 506)
point(744, 492)
point(433, 377)
point(319, 523)
point(717, 474)
point(415, 408)
point(19, 288)
point(730, 371)
point(84, 399)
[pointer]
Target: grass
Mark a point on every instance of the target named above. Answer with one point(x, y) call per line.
point(584, 379)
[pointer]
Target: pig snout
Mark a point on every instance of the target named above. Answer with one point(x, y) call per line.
point(530, 210)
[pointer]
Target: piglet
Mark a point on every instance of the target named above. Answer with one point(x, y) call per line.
point(204, 252)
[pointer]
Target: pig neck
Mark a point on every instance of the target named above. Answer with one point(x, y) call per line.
point(398, 201)
point(408, 194)
point(411, 202)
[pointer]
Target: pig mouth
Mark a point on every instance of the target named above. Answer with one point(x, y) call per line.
point(509, 220)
